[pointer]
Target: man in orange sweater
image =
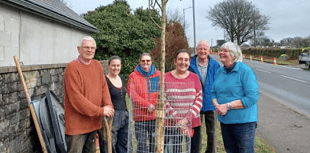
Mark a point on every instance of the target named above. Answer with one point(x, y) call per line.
point(87, 99)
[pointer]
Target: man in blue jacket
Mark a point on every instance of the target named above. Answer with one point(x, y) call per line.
point(205, 67)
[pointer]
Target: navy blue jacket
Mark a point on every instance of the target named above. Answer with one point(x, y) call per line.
point(213, 66)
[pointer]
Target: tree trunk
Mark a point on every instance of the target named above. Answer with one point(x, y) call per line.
point(160, 109)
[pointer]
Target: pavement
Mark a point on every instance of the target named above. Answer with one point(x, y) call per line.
point(285, 130)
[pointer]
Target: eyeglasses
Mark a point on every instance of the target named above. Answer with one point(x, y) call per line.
point(88, 47)
point(145, 61)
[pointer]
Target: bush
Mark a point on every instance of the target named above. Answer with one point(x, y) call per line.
point(273, 52)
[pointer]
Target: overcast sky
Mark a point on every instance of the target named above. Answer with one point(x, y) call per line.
point(288, 18)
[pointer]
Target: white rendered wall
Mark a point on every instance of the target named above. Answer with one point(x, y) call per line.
point(35, 40)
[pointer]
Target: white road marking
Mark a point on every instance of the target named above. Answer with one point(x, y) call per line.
point(294, 79)
point(294, 68)
point(263, 70)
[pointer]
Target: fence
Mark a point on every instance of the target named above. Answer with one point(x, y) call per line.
point(142, 131)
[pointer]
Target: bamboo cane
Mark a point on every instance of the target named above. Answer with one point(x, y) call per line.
point(108, 132)
point(33, 114)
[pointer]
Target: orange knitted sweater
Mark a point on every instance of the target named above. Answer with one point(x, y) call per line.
point(86, 91)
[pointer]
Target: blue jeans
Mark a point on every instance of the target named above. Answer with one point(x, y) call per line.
point(119, 133)
point(173, 141)
point(239, 138)
point(144, 130)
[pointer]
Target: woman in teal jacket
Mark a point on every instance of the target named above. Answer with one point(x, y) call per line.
point(234, 95)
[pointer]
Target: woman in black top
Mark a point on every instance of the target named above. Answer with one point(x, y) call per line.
point(118, 92)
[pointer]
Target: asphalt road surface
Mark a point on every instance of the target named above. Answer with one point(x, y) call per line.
point(283, 106)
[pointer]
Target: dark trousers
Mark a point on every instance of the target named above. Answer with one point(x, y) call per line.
point(210, 118)
point(145, 130)
point(119, 133)
point(82, 143)
point(196, 140)
point(239, 138)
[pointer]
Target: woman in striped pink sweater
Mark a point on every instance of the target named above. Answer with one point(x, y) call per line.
point(183, 103)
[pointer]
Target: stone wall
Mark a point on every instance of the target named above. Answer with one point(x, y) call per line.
point(17, 131)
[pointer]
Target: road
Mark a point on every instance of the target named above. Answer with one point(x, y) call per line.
point(287, 85)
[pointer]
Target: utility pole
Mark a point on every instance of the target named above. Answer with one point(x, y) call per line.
point(194, 26)
point(184, 16)
point(254, 31)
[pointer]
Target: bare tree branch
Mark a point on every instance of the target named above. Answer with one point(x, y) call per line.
point(239, 18)
point(154, 21)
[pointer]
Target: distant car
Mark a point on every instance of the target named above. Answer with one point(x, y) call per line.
point(304, 57)
point(307, 64)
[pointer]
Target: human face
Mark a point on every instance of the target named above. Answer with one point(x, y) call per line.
point(203, 50)
point(87, 50)
point(115, 67)
point(225, 57)
point(182, 62)
point(146, 63)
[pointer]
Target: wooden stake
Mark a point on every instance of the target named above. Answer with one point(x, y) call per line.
point(108, 132)
point(33, 114)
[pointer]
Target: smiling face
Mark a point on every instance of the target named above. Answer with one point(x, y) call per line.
point(225, 57)
point(115, 66)
point(145, 63)
point(87, 50)
point(203, 50)
point(182, 62)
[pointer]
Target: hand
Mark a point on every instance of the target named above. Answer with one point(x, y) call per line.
point(183, 122)
point(108, 111)
point(221, 109)
point(151, 108)
point(184, 129)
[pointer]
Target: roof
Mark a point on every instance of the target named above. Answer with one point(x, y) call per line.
point(52, 9)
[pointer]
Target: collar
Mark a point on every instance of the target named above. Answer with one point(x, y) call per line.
point(198, 63)
point(144, 73)
point(78, 60)
point(234, 68)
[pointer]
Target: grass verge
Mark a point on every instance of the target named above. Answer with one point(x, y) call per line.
point(260, 145)
point(270, 60)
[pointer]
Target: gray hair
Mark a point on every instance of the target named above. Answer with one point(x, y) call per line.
point(87, 38)
point(203, 41)
point(234, 50)
point(145, 54)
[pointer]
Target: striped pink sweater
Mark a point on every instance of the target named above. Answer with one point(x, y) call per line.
point(183, 99)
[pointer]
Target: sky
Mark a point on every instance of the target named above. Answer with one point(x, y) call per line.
point(288, 18)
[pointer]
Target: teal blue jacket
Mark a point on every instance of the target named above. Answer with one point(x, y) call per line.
point(239, 83)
